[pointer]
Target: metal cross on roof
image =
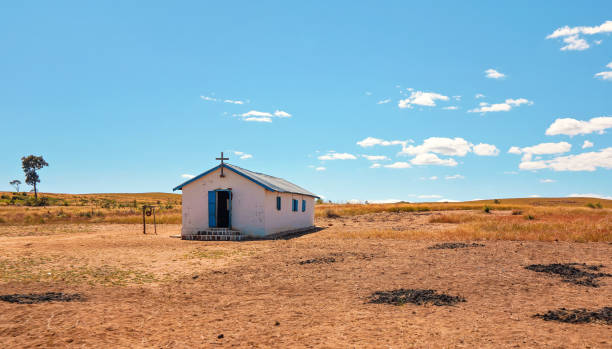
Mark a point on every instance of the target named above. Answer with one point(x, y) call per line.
point(222, 158)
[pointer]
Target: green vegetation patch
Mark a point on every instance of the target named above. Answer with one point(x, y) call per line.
point(209, 254)
point(34, 270)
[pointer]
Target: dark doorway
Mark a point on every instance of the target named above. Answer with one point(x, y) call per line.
point(223, 209)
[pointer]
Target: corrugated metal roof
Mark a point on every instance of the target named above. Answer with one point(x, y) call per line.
point(268, 182)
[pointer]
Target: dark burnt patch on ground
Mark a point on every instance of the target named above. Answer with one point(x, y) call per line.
point(576, 273)
point(355, 255)
point(33, 298)
point(420, 297)
point(337, 257)
point(578, 316)
point(320, 260)
point(453, 245)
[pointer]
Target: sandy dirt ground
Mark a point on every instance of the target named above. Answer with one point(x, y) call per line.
point(257, 294)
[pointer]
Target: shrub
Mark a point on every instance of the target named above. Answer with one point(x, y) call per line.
point(32, 201)
point(529, 217)
point(592, 205)
point(487, 209)
point(85, 214)
point(517, 212)
point(331, 214)
point(496, 201)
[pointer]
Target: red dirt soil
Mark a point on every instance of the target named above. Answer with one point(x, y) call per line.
point(257, 294)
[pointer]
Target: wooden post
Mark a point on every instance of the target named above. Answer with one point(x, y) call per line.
point(154, 224)
point(144, 222)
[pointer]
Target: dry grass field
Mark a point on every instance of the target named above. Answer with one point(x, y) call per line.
point(308, 291)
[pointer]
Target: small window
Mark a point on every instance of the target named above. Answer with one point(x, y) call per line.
point(278, 203)
point(303, 205)
point(295, 205)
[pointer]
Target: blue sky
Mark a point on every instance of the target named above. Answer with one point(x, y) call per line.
point(131, 96)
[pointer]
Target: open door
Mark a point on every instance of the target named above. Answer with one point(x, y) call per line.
point(223, 209)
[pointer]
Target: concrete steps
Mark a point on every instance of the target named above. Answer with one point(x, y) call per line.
point(215, 234)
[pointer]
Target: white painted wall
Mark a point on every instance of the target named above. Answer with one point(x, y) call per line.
point(253, 207)
point(247, 203)
point(285, 219)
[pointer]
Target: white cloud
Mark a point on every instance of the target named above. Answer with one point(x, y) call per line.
point(456, 176)
point(581, 162)
point(479, 95)
point(484, 149)
point(337, 156)
point(399, 164)
point(572, 127)
point(605, 27)
point(375, 157)
point(384, 101)
point(320, 168)
point(243, 155)
point(574, 43)
point(371, 141)
point(507, 105)
point(605, 75)
point(368, 93)
point(540, 149)
point(457, 98)
point(258, 119)
point(452, 107)
point(535, 196)
point(571, 35)
point(188, 176)
point(256, 113)
point(375, 165)
point(427, 99)
point(384, 201)
point(515, 150)
point(282, 114)
point(262, 116)
point(494, 74)
point(590, 195)
point(432, 178)
point(547, 180)
point(587, 144)
point(230, 101)
point(548, 148)
point(425, 153)
point(432, 159)
point(447, 200)
point(441, 145)
point(433, 196)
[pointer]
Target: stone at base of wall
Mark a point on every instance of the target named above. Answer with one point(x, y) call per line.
point(233, 235)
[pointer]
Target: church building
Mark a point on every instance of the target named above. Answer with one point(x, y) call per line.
point(228, 202)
